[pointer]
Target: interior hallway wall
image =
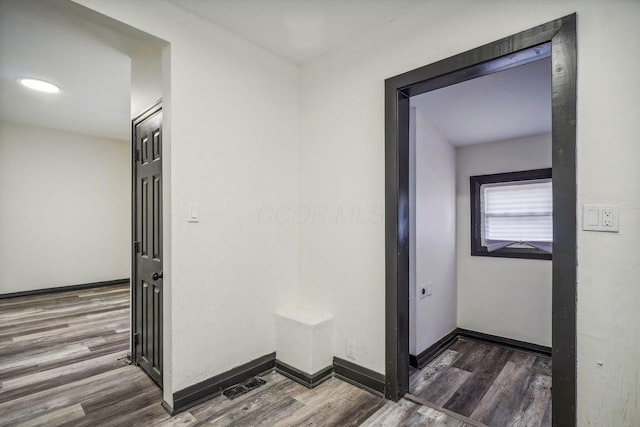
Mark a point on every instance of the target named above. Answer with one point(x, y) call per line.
point(230, 147)
point(507, 297)
point(342, 164)
point(435, 315)
point(64, 208)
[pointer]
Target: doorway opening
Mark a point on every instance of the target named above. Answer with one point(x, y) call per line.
point(75, 147)
point(556, 39)
point(493, 277)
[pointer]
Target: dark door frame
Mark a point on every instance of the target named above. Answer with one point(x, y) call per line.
point(157, 106)
point(557, 38)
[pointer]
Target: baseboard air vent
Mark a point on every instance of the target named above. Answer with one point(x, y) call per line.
point(240, 389)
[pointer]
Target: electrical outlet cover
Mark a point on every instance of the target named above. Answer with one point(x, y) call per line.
point(600, 218)
point(422, 291)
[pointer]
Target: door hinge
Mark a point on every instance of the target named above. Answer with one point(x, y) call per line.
point(136, 247)
point(136, 338)
point(138, 155)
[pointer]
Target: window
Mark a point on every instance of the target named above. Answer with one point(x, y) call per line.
point(512, 214)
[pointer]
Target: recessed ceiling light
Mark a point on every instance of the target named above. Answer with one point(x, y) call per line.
point(40, 85)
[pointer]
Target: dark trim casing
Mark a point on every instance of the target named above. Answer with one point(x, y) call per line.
point(475, 184)
point(431, 352)
point(396, 241)
point(65, 288)
point(359, 376)
point(505, 342)
point(558, 39)
point(197, 393)
point(301, 377)
point(564, 270)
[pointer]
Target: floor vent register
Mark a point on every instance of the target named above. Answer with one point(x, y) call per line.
point(240, 389)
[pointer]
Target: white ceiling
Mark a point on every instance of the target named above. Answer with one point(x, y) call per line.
point(509, 104)
point(63, 43)
point(90, 63)
point(298, 30)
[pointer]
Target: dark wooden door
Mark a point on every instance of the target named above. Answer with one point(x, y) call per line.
point(147, 288)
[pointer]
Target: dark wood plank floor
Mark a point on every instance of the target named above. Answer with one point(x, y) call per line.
point(61, 364)
point(490, 384)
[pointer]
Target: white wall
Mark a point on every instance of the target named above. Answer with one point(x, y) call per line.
point(507, 297)
point(146, 78)
point(239, 128)
point(231, 147)
point(64, 208)
point(435, 315)
point(342, 164)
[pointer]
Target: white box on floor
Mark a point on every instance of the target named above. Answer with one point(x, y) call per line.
point(304, 339)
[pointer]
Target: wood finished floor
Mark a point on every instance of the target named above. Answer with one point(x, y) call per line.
point(490, 384)
point(61, 365)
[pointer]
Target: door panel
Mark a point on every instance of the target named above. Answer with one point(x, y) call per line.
point(147, 295)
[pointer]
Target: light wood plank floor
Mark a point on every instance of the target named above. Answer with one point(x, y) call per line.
point(490, 384)
point(61, 364)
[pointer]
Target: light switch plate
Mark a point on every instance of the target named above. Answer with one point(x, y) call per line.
point(601, 218)
point(194, 213)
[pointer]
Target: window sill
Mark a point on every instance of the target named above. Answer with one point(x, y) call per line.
point(521, 253)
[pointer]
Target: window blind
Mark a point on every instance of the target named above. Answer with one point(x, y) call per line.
point(517, 211)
